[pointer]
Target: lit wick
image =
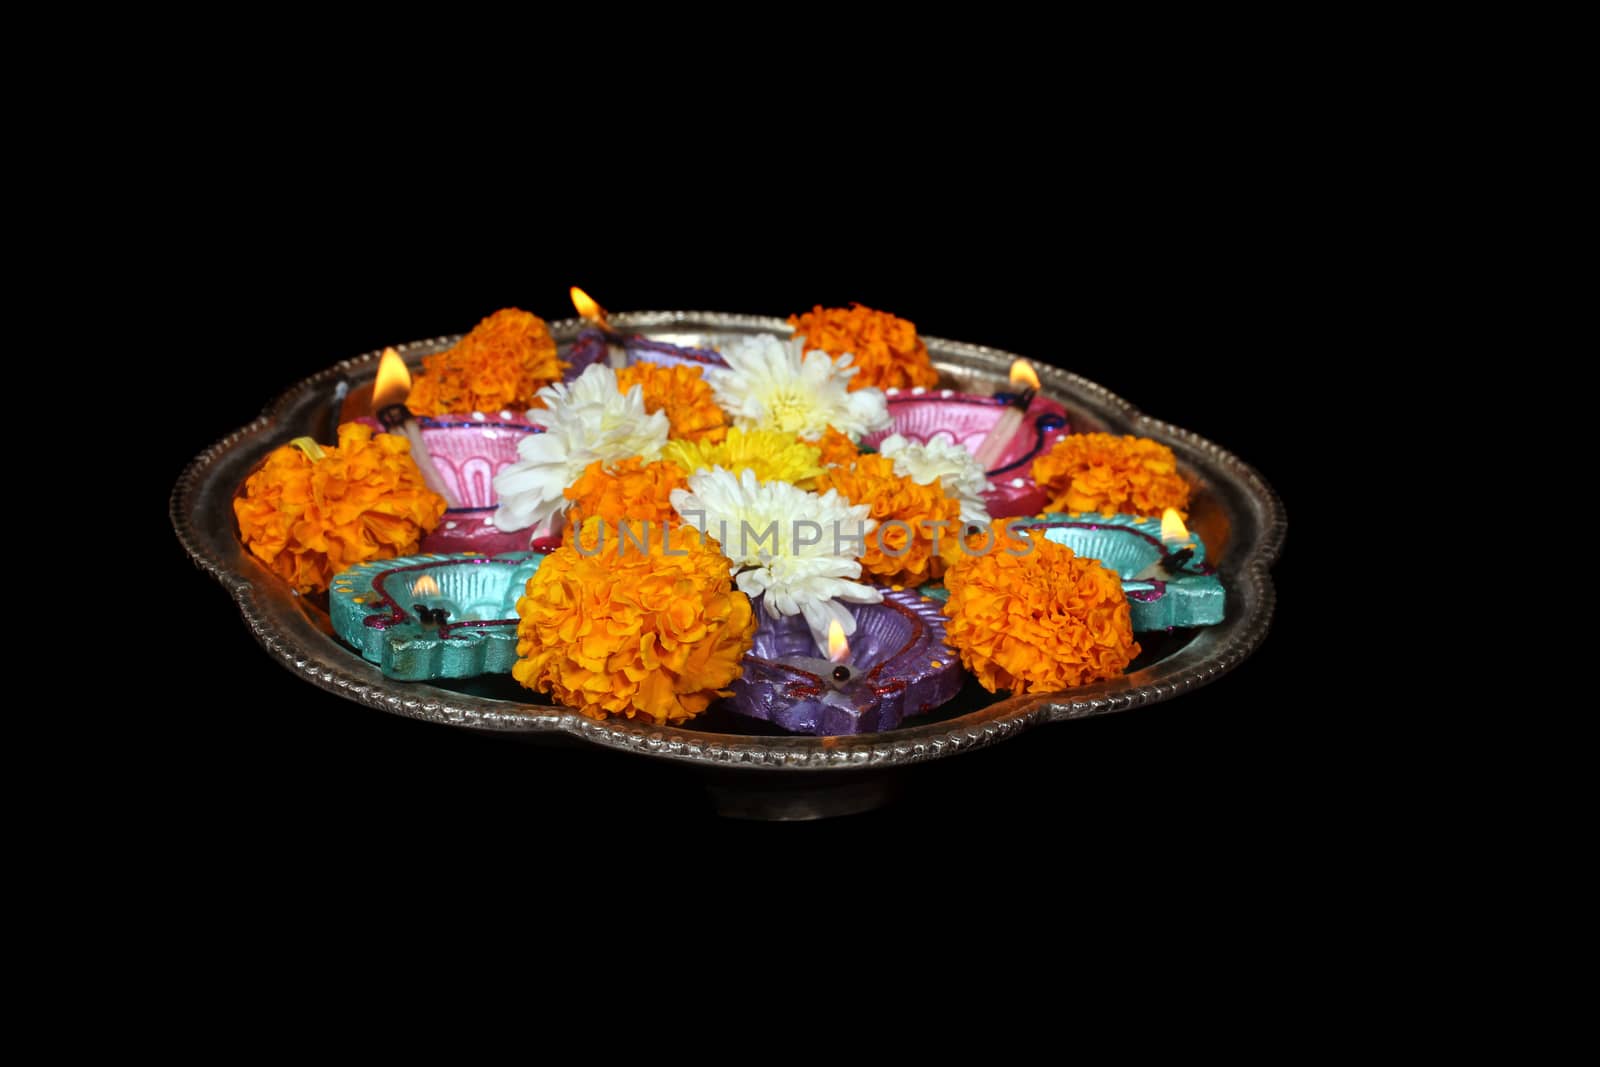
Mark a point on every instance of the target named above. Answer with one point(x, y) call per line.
point(389, 394)
point(838, 652)
point(431, 617)
point(836, 668)
point(994, 446)
point(1180, 550)
point(589, 310)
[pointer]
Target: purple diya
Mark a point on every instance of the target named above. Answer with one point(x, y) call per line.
point(923, 415)
point(596, 340)
point(897, 666)
point(593, 345)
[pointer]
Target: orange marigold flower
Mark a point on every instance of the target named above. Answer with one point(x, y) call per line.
point(1038, 622)
point(364, 499)
point(1109, 474)
point(507, 358)
point(684, 394)
point(631, 489)
point(902, 552)
point(634, 634)
point(837, 449)
point(998, 536)
point(887, 349)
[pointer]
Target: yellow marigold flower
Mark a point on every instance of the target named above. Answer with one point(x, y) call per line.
point(898, 553)
point(631, 489)
point(837, 449)
point(1109, 474)
point(633, 634)
point(684, 394)
point(364, 499)
point(887, 349)
point(1039, 622)
point(499, 366)
point(772, 455)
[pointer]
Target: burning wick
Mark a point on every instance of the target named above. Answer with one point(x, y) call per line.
point(1173, 534)
point(589, 309)
point(838, 652)
point(431, 618)
point(836, 669)
point(994, 446)
point(389, 394)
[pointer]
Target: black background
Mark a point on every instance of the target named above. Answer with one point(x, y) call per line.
point(1167, 281)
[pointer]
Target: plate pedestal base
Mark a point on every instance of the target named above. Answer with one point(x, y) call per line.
point(802, 796)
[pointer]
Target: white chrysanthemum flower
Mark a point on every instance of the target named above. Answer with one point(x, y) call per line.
point(768, 385)
point(958, 471)
point(585, 421)
point(761, 525)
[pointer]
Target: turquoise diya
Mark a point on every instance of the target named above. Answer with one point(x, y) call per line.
point(430, 616)
point(1162, 566)
point(426, 617)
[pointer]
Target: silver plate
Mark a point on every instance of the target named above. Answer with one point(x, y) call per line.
point(1233, 509)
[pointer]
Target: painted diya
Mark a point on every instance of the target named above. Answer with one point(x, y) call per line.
point(1161, 563)
point(969, 420)
point(596, 345)
point(598, 341)
point(894, 666)
point(468, 451)
point(427, 616)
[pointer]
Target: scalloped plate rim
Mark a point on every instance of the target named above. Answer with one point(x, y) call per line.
point(297, 645)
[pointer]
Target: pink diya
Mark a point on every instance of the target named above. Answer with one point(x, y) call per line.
point(464, 452)
point(967, 419)
point(459, 456)
point(468, 451)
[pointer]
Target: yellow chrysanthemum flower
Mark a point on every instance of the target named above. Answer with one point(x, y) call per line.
point(771, 455)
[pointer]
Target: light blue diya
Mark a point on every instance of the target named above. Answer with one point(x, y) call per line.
point(433, 616)
point(1191, 596)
